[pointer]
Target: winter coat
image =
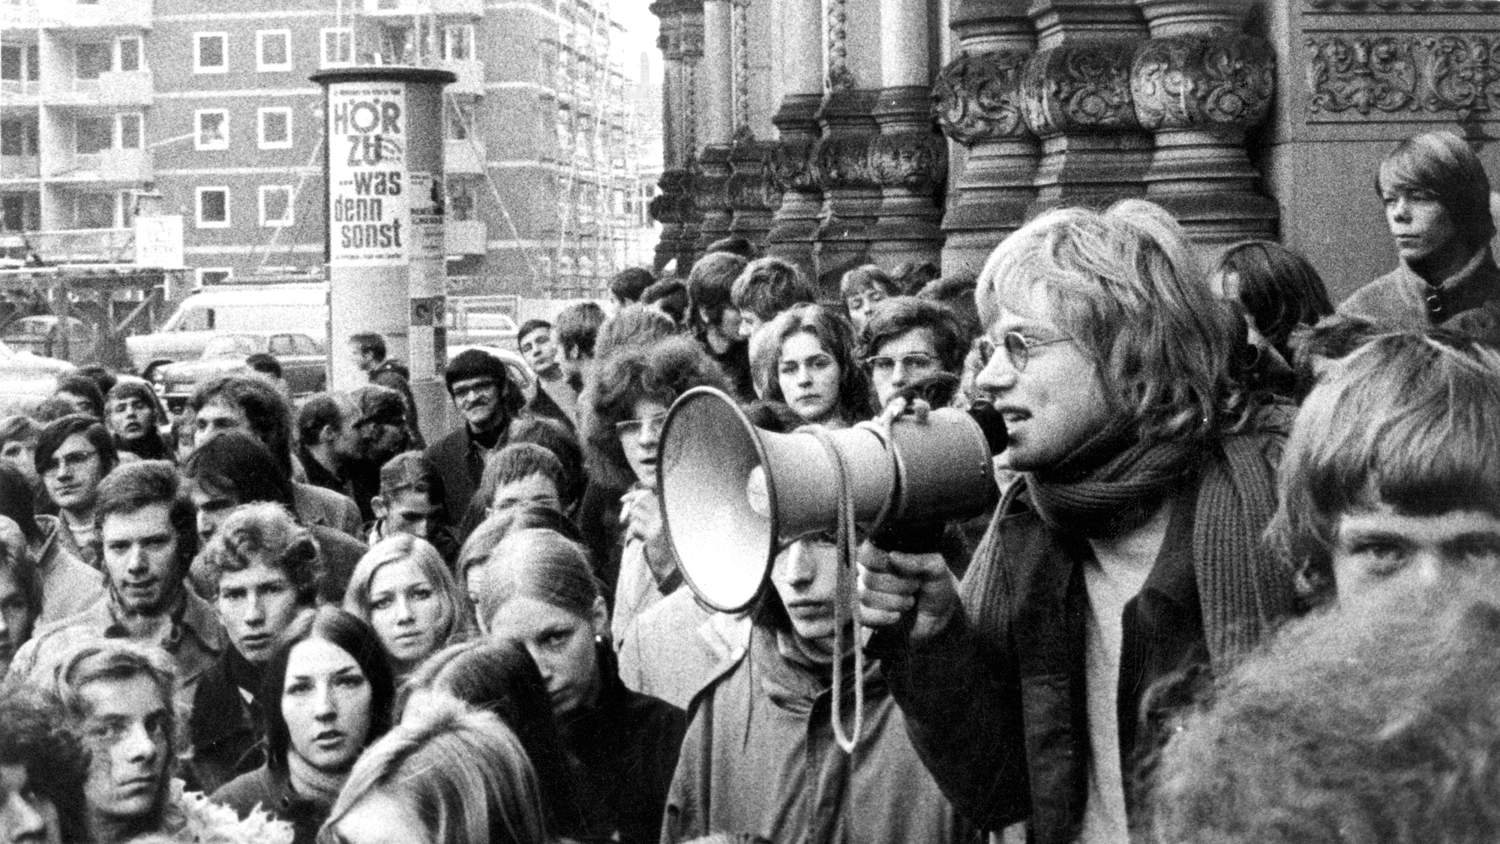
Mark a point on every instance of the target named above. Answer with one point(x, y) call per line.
point(760, 758)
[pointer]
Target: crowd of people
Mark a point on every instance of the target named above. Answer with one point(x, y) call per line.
point(1240, 586)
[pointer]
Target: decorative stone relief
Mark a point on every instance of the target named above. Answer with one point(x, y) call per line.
point(739, 30)
point(675, 202)
point(1203, 81)
point(1403, 73)
point(842, 162)
point(750, 186)
point(916, 160)
point(791, 167)
point(840, 78)
point(977, 96)
point(1081, 87)
point(1402, 6)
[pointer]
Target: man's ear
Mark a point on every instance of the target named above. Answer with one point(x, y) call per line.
point(378, 504)
point(327, 435)
point(600, 617)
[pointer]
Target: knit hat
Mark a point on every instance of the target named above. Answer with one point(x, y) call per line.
point(379, 405)
point(474, 363)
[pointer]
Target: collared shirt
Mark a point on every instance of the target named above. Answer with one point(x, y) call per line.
point(194, 640)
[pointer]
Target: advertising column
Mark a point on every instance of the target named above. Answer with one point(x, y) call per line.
point(385, 225)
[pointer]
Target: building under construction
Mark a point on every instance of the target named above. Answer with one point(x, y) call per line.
point(552, 132)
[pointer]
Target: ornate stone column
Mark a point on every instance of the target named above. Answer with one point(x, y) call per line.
point(1199, 84)
point(681, 43)
point(977, 100)
point(712, 169)
point(1076, 93)
point(752, 195)
point(909, 159)
point(841, 157)
point(795, 225)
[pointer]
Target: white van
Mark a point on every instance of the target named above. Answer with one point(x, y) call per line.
point(288, 307)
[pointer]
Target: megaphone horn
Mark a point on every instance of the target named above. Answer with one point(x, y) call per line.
point(731, 492)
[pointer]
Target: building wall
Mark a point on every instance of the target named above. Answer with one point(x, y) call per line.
point(533, 75)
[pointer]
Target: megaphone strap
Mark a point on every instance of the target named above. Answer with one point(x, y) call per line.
point(843, 612)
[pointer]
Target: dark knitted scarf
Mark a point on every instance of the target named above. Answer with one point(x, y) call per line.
point(1113, 483)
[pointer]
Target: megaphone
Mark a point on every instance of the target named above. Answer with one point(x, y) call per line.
point(731, 493)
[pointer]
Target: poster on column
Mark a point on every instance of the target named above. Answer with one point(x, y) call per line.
point(368, 201)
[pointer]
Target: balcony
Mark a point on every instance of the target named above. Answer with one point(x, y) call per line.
point(114, 88)
point(398, 8)
point(470, 73)
point(463, 157)
point(86, 245)
point(97, 14)
point(111, 166)
point(20, 167)
point(465, 237)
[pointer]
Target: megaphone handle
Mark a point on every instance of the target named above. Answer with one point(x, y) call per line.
point(843, 611)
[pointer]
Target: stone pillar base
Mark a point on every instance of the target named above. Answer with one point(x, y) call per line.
point(711, 180)
point(909, 160)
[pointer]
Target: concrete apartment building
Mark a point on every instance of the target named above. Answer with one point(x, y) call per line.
point(551, 149)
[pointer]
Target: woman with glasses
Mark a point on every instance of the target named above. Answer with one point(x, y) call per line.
point(625, 405)
point(538, 593)
point(908, 340)
point(760, 756)
point(404, 590)
point(813, 368)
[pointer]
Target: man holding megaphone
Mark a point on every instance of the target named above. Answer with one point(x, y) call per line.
point(1124, 567)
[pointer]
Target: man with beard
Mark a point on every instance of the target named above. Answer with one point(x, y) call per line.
point(327, 442)
point(483, 393)
point(130, 409)
point(146, 528)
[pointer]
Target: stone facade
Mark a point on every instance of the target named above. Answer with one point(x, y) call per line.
point(908, 131)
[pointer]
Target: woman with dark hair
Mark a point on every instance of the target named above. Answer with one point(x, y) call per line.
point(42, 770)
point(1437, 206)
point(624, 406)
point(20, 602)
point(501, 677)
point(326, 695)
point(131, 412)
point(1278, 287)
point(67, 583)
point(812, 367)
point(538, 593)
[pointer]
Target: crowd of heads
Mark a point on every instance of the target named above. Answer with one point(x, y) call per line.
point(424, 670)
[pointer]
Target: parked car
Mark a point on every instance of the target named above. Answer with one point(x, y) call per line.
point(208, 313)
point(304, 364)
point(43, 335)
point(26, 379)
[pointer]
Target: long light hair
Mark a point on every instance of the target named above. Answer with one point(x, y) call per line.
point(457, 619)
point(462, 772)
point(1126, 286)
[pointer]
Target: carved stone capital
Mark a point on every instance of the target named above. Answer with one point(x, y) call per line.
point(711, 177)
point(1203, 81)
point(792, 168)
point(977, 96)
point(1079, 88)
point(842, 162)
point(916, 160)
point(750, 186)
point(675, 202)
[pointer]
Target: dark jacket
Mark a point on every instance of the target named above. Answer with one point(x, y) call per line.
point(996, 703)
point(273, 792)
point(1401, 300)
point(623, 751)
point(225, 725)
point(459, 460)
point(760, 758)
